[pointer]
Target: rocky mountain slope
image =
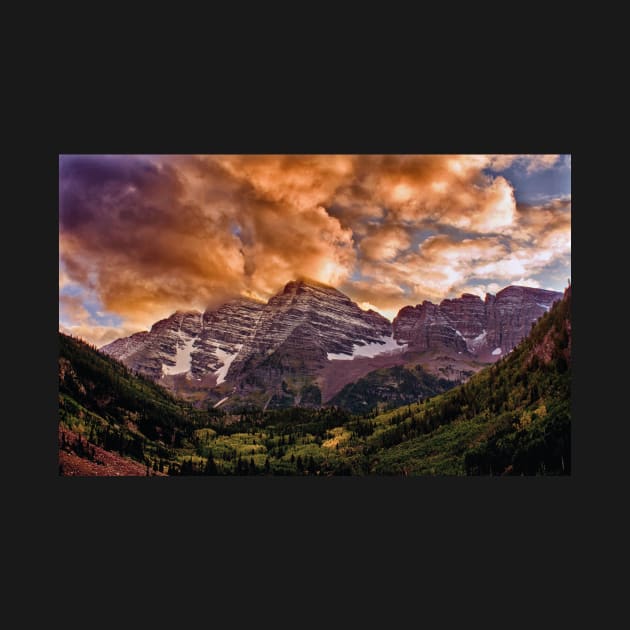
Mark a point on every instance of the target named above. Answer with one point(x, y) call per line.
point(310, 340)
point(190, 342)
point(268, 353)
point(300, 330)
point(485, 329)
point(388, 388)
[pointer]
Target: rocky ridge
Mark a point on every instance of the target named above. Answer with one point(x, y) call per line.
point(483, 329)
point(286, 352)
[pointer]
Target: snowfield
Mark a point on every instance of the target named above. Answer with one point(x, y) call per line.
point(182, 357)
point(369, 350)
point(473, 344)
point(226, 358)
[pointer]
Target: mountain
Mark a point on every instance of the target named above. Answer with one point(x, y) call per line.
point(189, 342)
point(250, 352)
point(310, 341)
point(300, 330)
point(483, 329)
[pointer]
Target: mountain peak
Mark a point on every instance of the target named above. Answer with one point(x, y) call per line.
point(186, 312)
point(518, 289)
point(308, 286)
point(308, 282)
point(264, 351)
point(470, 326)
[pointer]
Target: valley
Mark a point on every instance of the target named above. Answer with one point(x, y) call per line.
point(509, 417)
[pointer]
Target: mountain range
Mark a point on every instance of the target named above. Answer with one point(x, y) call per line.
point(511, 418)
point(310, 341)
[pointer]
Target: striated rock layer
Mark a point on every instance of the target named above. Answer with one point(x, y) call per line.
point(190, 342)
point(314, 320)
point(310, 340)
point(484, 329)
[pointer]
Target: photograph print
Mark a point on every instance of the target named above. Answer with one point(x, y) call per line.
point(314, 315)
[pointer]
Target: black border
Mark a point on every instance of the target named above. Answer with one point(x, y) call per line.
point(438, 520)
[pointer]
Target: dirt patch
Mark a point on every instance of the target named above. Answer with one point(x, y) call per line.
point(97, 462)
point(192, 390)
point(338, 373)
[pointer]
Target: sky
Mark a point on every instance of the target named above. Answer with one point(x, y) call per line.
point(141, 236)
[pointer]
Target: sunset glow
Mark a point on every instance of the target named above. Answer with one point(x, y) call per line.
point(143, 236)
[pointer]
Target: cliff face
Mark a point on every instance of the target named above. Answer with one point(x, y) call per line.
point(483, 329)
point(258, 349)
point(192, 343)
point(165, 349)
point(310, 321)
point(224, 331)
point(309, 340)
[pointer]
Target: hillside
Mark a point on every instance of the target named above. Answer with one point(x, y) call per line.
point(103, 406)
point(511, 418)
point(391, 387)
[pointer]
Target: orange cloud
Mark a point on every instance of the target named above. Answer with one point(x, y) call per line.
point(531, 163)
point(385, 243)
point(98, 335)
point(149, 235)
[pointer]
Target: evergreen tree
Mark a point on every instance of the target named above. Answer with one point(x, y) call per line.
point(211, 467)
point(238, 467)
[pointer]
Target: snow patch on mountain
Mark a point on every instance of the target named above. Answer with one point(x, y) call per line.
point(220, 402)
point(473, 344)
point(369, 350)
point(496, 351)
point(226, 358)
point(182, 357)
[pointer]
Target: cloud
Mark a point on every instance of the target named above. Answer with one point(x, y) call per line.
point(443, 265)
point(530, 163)
point(383, 294)
point(149, 235)
point(71, 308)
point(427, 190)
point(75, 319)
point(146, 235)
point(385, 242)
point(440, 265)
point(98, 335)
